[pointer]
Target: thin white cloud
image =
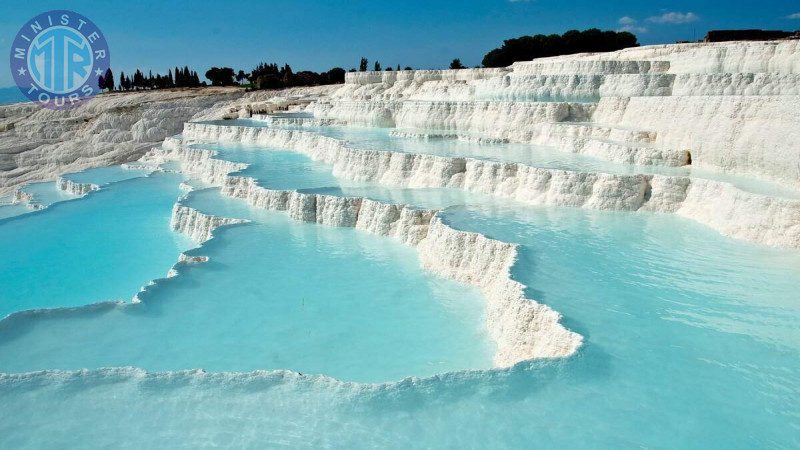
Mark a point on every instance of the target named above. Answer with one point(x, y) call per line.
point(675, 18)
point(793, 16)
point(633, 29)
point(629, 24)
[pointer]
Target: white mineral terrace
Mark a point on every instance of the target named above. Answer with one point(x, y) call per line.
point(38, 144)
point(522, 328)
point(732, 107)
point(730, 211)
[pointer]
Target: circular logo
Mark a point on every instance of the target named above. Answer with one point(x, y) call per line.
point(59, 59)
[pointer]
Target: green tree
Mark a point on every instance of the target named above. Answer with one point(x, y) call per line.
point(136, 83)
point(362, 67)
point(526, 48)
point(241, 76)
point(377, 67)
point(287, 76)
point(109, 80)
point(336, 75)
point(456, 64)
point(220, 76)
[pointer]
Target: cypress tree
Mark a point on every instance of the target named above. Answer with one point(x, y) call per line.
point(109, 80)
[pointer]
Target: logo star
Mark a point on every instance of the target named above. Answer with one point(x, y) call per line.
point(98, 72)
point(21, 71)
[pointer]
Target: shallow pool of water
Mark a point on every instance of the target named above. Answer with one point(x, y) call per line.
point(287, 170)
point(46, 193)
point(105, 175)
point(104, 246)
point(533, 155)
point(277, 294)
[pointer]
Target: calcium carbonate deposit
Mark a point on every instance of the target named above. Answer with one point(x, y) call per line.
point(595, 248)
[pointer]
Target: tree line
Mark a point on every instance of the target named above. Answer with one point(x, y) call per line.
point(362, 66)
point(272, 76)
point(526, 48)
point(179, 78)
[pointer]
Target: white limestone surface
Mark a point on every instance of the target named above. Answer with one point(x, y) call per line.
point(78, 189)
point(732, 107)
point(39, 144)
point(198, 226)
point(522, 328)
point(771, 221)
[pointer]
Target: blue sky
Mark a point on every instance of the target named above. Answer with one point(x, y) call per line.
point(318, 35)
